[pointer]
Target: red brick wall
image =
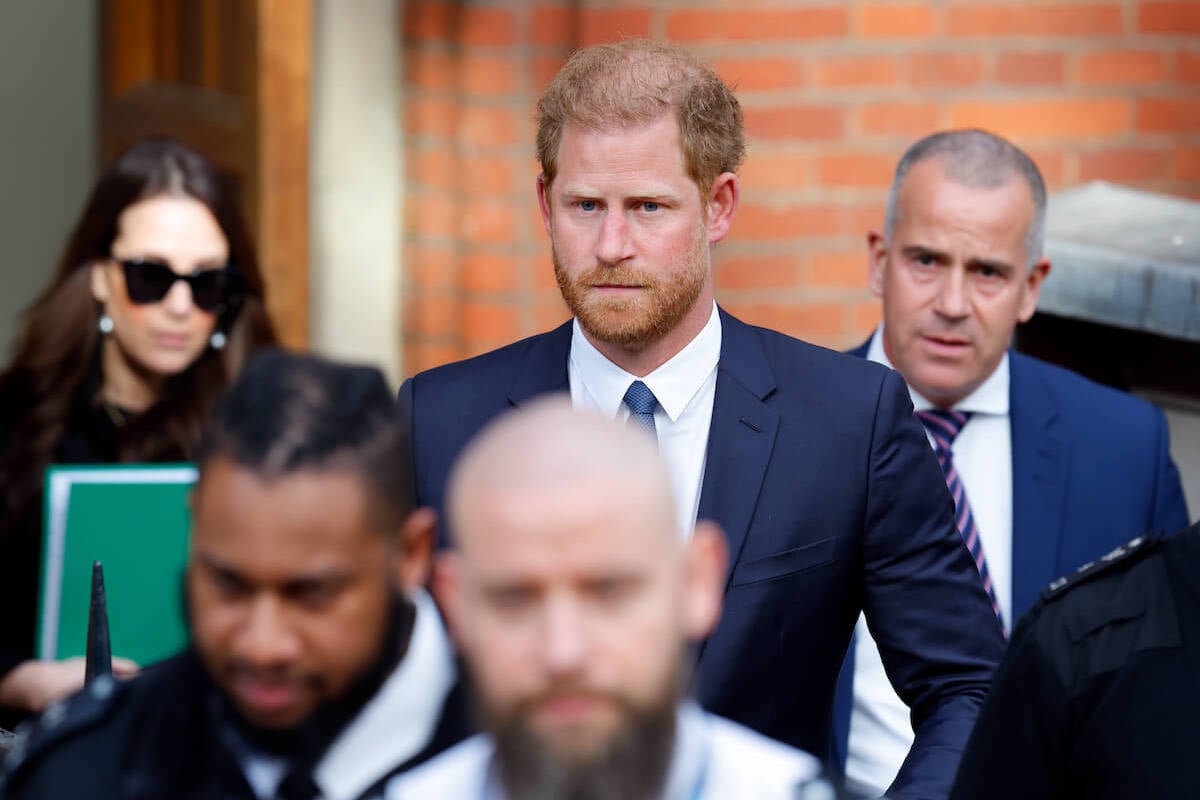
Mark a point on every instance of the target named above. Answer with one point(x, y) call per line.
point(832, 93)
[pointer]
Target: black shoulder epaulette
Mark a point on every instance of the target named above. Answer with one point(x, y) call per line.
point(1126, 554)
point(60, 721)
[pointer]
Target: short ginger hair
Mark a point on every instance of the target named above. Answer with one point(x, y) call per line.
point(635, 82)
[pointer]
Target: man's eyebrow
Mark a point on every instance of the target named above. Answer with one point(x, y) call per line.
point(990, 263)
point(320, 575)
point(655, 197)
point(654, 193)
point(332, 579)
point(912, 250)
point(923, 250)
point(326, 575)
point(214, 563)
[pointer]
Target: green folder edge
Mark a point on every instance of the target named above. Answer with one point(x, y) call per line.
point(60, 479)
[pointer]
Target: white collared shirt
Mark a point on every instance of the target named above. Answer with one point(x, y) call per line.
point(685, 387)
point(394, 725)
point(712, 759)
point(880, 727)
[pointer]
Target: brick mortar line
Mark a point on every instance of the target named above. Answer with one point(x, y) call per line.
point(875, 96)
point(934, 45)
point(851, 46)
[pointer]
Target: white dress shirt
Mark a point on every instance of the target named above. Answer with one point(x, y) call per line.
point(394, 725)
point(880, 727)
point(685, 387)
point(712, 759)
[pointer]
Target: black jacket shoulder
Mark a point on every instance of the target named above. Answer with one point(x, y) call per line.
point(142, 738)
point(80, 735)
point(1091, 622)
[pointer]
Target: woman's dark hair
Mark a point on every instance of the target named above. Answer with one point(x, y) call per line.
point(55, 354)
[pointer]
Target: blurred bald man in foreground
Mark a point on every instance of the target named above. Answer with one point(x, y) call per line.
point(573, 597)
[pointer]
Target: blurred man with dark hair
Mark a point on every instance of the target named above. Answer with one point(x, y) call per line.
point(573, 595)
point(318, 665)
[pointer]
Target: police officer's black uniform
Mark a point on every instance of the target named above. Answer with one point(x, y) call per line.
point(162, 735)
point(1099, 693)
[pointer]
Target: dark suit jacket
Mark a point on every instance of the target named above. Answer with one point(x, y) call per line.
point(832, 502)
point(1091, 470)
point(155, 737)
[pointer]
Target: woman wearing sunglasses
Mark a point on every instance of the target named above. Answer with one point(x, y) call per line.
point(156, 303)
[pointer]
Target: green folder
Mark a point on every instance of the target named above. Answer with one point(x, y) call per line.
point(134, 520)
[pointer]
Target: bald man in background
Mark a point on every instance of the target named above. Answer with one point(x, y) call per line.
point(572, 596)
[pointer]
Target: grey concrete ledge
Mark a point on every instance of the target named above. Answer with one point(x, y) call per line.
point(1125, 258)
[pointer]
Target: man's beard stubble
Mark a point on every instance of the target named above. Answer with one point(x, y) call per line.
point(307, 740)
point(632, 765)
point(634, 323)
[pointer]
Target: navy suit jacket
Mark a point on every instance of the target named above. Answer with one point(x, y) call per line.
point(1091, 470)
point(831, 501)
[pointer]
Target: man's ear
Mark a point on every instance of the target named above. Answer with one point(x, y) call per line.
point(722, 205)
point(877, 257)
point(543, 195)
point(416, 548)
point(100, 288)
point(447, 590)
point(704, 579)
point(1033, 289)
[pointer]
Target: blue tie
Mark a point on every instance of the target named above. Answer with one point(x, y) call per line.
point(944, 427)
point(641, 402)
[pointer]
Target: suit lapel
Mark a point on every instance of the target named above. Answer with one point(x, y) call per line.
point(741, 435)
point(543, 367)
point(1039, 464)
point(1039, 481)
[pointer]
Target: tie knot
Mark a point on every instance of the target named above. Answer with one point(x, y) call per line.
point(943, 425)
point(640, 399)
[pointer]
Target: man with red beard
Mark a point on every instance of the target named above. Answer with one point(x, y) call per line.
point(810, 461)
point(572, 597)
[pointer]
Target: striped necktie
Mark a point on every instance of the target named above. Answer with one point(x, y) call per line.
point(944, 427)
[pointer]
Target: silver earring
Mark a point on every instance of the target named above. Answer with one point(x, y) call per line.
point(217, 340)
point(106, 324)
